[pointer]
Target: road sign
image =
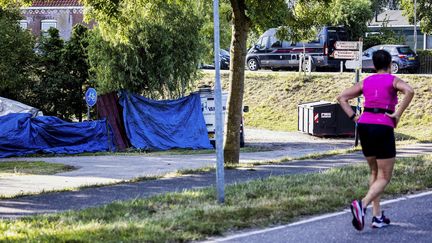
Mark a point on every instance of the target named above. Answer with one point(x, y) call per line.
point(91, 97)
point(352, 64)
point(346, 54)
point(347, 45)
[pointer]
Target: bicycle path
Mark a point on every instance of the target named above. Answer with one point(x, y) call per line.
point(108, 169)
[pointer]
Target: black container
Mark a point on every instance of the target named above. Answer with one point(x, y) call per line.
point(322, 118)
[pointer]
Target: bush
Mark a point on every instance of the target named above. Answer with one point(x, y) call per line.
point(16, 56)
point(157, 56)
point(424, 53)
point(385, 36)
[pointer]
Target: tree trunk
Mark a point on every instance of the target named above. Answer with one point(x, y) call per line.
point(80, 105)
point(237, 73)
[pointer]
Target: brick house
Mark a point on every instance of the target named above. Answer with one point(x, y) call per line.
point(60, 14)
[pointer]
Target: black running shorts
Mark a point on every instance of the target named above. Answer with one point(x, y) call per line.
point(377, 140)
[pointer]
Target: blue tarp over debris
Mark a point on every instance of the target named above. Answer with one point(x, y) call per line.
point(167, 124)
point(20, 134)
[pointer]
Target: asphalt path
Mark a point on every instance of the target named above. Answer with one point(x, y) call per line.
point(410, 222)
point(97, 196)
point(97, 170)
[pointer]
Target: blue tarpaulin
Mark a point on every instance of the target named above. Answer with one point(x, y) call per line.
point(167, 124)
point(20, 134)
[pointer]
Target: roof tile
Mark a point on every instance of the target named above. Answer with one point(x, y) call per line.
point(56, 3)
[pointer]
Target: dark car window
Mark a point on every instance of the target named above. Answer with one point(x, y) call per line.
point(332, 35)
point(343, 35)
point(337, 35)
point(275, 43)
point(405, 50)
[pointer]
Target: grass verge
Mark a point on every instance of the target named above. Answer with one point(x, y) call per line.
point(195, 214)
point(273, 98)
point(33, 168)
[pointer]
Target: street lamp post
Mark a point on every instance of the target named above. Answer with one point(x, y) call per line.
point(220, 187)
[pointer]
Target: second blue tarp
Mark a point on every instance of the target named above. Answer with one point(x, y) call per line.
point(163, 125)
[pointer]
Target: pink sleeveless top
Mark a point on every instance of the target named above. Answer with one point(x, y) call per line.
point(378, 92)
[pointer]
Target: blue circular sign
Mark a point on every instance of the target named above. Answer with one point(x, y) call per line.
point(91, 97)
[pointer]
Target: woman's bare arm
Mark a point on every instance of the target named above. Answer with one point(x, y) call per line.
point(408, 92)
point(348, 94)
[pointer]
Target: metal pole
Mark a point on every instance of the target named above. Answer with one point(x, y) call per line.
point(341, 67)
point(88, 113)
point(415, 26)
point(220, 184)
point(357, 80)
point(300, 63)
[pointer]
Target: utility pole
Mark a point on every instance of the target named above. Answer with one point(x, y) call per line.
point(220, 183)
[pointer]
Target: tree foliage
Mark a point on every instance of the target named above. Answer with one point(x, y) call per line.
point(424, 13)
point(14, 3)
point(303, 20)
point(75, 59)
point(379, 5)
point(353, 14)
point(62, 72)
point(16, 56)
point(51, 91)
point(384, 36)
point(204, 9)
point(148, 47)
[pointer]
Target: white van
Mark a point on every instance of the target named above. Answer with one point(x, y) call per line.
point(208, 109)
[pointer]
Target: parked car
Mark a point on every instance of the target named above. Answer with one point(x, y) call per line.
point(224, 61)
point(269, 52)
point(403, 58)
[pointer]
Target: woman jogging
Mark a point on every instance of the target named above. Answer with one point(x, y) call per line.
point(376, 131)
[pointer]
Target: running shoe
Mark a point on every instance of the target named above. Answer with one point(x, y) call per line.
point(358, 215)
point(380, 222)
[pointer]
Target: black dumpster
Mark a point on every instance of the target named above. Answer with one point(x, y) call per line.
point(322, 118)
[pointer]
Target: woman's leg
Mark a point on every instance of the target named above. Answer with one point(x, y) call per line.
point(373, 176)
point(385, 171)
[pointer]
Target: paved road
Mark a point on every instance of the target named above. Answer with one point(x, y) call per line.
point(93, 170)
point(410, 216)
point(90, 197)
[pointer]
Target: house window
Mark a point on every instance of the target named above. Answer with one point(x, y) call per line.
point(23, 24)
point(47, 24)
